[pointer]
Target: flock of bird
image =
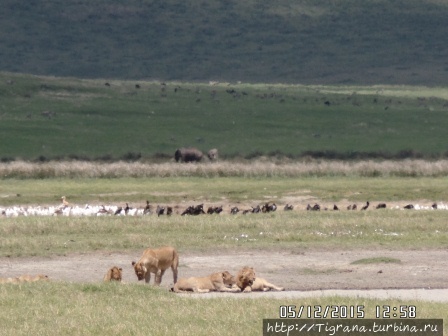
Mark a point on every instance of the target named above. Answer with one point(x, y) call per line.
point(67, 209)
point(434, 206)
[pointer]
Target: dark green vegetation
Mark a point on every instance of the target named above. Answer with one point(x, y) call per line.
point(295, 41)
point(45, 118)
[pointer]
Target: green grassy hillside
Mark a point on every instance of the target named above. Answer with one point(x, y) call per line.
point(288, 41)
point(48, 117)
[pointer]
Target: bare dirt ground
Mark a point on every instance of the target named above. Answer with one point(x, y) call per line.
point(298, 272)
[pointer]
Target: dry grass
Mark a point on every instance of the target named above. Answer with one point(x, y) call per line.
point(57, 308)
point(259, 168)
point(34, 236)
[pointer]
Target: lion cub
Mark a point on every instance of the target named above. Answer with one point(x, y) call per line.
point(113, 274)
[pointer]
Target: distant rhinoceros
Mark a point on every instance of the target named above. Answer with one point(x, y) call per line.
point(190, 154)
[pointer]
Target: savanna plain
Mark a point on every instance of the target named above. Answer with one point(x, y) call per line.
point(99, 144)
point(298, 249)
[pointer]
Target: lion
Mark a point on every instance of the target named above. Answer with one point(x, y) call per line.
point(156, 261)
point(248, 282)
point(245, 279)
point(9, 280)
point(24, 278)
point(41, 277)
point(113, 274)
point(215, 282)
point(262, 285)
point(30, 278)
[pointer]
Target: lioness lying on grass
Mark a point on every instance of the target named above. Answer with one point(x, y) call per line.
point(216, 282)
point(25, 278)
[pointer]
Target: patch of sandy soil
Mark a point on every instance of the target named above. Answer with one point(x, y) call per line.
point(298, 272)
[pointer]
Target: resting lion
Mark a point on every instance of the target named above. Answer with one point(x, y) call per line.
point(245, 278)
point(215, 282)
point(25, 278)
point(248, 282)
point(156, 261)
point(263, 285)
point(30, 278)
point(113, 274)
point(9, 280)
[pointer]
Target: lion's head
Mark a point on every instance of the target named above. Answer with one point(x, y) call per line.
point(140, 270)
point(228, 279)
point(114, 274)
point(245, 277)
point(30, 278)
point(41, 277)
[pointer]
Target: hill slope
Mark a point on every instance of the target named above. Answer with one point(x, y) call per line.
point(295, 41)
